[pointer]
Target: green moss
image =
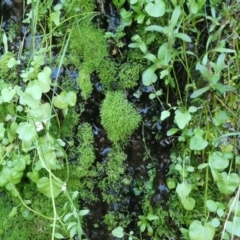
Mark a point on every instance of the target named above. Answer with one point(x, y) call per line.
point(68, 123)
point(75, 6)
point(107, 73)
point(25, 224)
point(88, 51)
point(86, 150)
point(7, 74)
point(118, 116)
point(85, 84)
point(129, 74)
point(88, 44)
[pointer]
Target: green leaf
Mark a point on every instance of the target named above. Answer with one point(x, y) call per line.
point(58, 235)
point(175, 16)
point(44, 78)
point(27, 99)
point(224, 50)
point(199, 232)
point(198, 143)
point(192, 109)
point(13, 212)
point(151, 57)
point(155, 28)
point(152, 217)
point(67, 216)
point(199, 92)
point(188, 203)
point(33, 176)
point(164, 114)
point(74, 195)
point(156, 8)
point(84, 212)
point(8, 94)
point(171, 183)
point(183, 189)
point(211, 205)
point(118, 232)
point(215, 222)
point(71, 224)
point(149, 76)
point(152, 95)
point(12, 62)
point(26, 131)
point(233, 227)
point(2, 131)
point(19, 163)
point(59, 102)
point(229, 183)
point(34, 90)
point(64, 100)
point(55, 17)
point(50, 188)
point(217, 162)
point(193, 7)
point(172, 131)
point(182, 118)
point(202, 166)
point(182, 36)
point(234, 206)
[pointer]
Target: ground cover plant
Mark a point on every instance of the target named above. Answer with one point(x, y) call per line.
point(120, 120)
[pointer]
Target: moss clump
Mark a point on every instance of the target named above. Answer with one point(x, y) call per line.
point(129, 74)
point(86, 148)
point(118, 116)
point(7, 74)
point(84, 82)
point(68, 123)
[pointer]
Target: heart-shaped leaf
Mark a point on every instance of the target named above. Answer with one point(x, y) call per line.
point(26, 131)
point(50, 188)
point(118, 232)
point(8, 94)
point(182, 118)
point(217, 161)
point(44, 78)
point(198, 143)
point(149, 76)
point(199, 232)
point(27, 99)
point(229, 183)
point(233, 227)
point(156, 8)
point(188, 203)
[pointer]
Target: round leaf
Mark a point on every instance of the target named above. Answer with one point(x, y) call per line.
point(199, 232)
point(118, 232)
point(155, 9)
point(26, 131)
point(182, 118)
point(164, 114)
point(149, 76)
point(8, 94)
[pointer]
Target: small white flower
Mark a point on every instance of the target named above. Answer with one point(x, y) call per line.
point(64, 187)
point(39, 126)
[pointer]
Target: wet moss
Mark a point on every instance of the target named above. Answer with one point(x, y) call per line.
point(118, 116)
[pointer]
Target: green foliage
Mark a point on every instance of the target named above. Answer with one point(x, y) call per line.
point(129, 75)
point(86, 149)
point(68, 124)
point(118, 117)
point(85, 84)
point(7, 71)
